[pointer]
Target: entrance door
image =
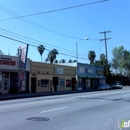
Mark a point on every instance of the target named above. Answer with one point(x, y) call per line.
point(73, 83)
point(5, 88)
point(91, 83)
point(55, 83)
point(33, 84)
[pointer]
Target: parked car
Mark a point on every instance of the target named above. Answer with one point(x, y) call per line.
point(104, 87)
point(117, 85)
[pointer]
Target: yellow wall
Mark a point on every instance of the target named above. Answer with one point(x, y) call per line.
point(46, 71)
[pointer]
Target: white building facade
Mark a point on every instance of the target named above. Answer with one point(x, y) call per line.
point(12, 78)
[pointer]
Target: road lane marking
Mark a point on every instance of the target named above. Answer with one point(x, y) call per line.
point(54, 109)
point(101, 100)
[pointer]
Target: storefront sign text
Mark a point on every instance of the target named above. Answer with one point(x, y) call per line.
point(8, 62)
point(89, 70)
point(100, 72)
point(81, 69)
point(59, 70)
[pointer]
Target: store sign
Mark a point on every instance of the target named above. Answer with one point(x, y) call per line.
point(100, 72)
point(23, 50)
point(81, 69)
point(59, 70)
point(7, 61)
point(89, 71)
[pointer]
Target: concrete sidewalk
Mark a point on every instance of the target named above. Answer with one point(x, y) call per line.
point(28, 95)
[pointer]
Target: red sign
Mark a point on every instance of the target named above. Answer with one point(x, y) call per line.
point(7, 62)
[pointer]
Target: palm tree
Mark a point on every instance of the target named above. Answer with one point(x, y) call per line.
point(55, 61)
point(62, 61)
point(70, 61)
point(103, 60)
point(91, 56)
point(41, 49)
point(74, 61)
point(52, 56)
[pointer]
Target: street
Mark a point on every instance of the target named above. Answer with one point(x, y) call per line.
point(100, 110)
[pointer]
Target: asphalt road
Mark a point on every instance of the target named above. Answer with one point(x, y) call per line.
point(101, 110)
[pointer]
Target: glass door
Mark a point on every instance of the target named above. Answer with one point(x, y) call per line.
point(5, 88)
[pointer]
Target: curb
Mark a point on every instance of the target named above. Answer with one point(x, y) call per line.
point(29, 95)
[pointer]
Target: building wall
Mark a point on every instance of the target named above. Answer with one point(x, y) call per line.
point(89, 76)
point(12, 79)
point(8, 62)
point(47, 71)
point(86, 70)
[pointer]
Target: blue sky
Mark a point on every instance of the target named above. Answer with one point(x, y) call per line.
point(61, 30)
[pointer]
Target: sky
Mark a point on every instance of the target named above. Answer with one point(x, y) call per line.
point(62, 29)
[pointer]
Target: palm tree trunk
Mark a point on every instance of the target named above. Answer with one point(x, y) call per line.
point(41, 58)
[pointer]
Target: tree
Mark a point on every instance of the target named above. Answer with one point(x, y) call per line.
point(52, 56)
point(121, 59)
point(103, 60)
point(62, 61)
point(91, 56)
point(41, 49)
point(55, 61)
point(1, 53)
point(97, 63)
point(70, 61)
point(74, 61)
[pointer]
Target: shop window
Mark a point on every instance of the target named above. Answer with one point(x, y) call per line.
point(44, 82)
point(61, 82)
point(68, 83)
point(6, 74)
point(0, 76)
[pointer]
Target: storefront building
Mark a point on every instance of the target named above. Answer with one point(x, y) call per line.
point(45, 77)
point(12, 78)
point(89, 76)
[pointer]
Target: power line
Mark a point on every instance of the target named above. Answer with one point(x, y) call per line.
point(9, 11)
point(35, 41)
point(36, 46)
point(56, 10)
point(34, 8)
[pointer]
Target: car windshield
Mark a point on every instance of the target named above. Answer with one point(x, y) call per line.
point(117, 84)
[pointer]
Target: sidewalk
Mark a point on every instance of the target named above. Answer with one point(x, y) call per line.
point(28, 95)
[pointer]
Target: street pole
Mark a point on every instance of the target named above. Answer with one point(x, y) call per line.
point(105, 39)
point(76, 66)
point(77, 60)
point(77, 52)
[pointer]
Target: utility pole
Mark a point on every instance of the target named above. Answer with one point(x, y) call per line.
point(105, 39)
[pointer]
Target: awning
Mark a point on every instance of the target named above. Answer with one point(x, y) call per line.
point(82, 76)
point(97, 77)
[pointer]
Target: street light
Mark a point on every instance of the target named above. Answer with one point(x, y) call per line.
point(86, 38)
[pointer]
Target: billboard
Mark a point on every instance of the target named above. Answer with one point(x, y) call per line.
point(23, 51)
